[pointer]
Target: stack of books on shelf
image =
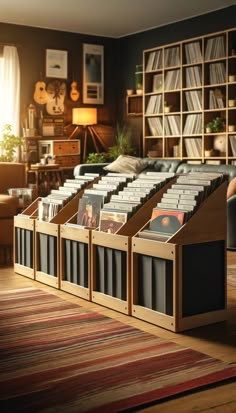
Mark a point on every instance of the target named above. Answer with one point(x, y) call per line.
point(50, 205)
point(193, 53)
point(193, 124)
point(172, 125)
point(155, 126)
point(232, 139)
point(172, 80)
point(193, 147)
point(194, 100)
point(217, 73)
point(154, 105)
point(154, 61)
point(216, 99)
point(193, 76)
point(172, 56)
point(179, 203)
point(215, 48)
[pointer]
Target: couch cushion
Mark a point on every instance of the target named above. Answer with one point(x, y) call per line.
point(127, 164)
point(8, 206)
point(163, 165)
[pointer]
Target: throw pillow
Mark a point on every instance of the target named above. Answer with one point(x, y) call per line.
point(231, 190)
point(127, 164)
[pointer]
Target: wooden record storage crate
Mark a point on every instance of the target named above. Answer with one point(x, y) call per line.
point(111, 259)
point(181, 284)
point(47, 244)
point(75, 259)
point(24, 241)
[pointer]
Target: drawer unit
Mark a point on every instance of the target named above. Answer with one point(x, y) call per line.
point(68, 160)
point(59, 147)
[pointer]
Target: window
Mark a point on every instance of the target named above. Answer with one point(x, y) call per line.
point(10, 89)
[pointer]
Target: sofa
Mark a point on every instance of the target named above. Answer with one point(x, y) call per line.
point(178, 166)
point(12, 175)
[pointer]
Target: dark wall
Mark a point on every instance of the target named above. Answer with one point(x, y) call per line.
point(131, 48)
point(32, 44)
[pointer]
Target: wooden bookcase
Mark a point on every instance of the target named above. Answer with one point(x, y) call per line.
point(23, 243)
point(196, 79)
point(134, 105)
point(111, 259)
point(181, 284)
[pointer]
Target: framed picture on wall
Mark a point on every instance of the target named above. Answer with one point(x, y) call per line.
point(93, 74)
point(56, 63)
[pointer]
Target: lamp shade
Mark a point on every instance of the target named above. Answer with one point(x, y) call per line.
point(84, 116)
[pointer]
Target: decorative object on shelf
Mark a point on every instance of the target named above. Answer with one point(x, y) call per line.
point(139, 79)
point(129, 92)
point(219, 144)
point(56, 63)
point(216, 125)
point(74, 92)
point(232, 128)
point(56, 95)
point(9, 145)
point(93, 74)
point(232, 103)
point(232, 78)
point(167, 107)
point(123, 143)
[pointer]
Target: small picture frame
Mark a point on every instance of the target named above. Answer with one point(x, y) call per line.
point(57, 63)
point(157, 83)
point(93, 74)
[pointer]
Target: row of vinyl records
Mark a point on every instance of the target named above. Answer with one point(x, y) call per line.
point(192, 125)
point(193, 101)
point(215, 49)
point(179, 203)
point(110, 202)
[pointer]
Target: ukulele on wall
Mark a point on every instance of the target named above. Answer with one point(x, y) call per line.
point(40, 93)
point(74, 93)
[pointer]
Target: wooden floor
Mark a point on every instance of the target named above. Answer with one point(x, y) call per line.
point(218, 340)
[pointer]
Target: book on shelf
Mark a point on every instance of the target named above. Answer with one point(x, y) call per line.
point(154, 61)
point(193, 52)
point(193, 76)
point(157, 85)
point(217, 73)
point(215, 48)
point(172, 56)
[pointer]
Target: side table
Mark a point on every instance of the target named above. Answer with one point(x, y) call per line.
point(46, 177)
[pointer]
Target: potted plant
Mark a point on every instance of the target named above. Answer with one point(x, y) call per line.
point(123, 144)
point(216, 125)
point(95, 157)
point(9, 144)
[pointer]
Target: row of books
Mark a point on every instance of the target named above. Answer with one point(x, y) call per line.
point(193, 76)
point(194, 100)
point(193, 124)
point(155, 105)
point(172, 125)
point(107, 210)
point(50, 205)
point(217, 73)
point(232, 139)
point(172, 80)
point(193, 147)
point(216, 99)
point(193, 53)
point(179, 203)
point(215, 48)
point(154, 61)
point(172, 56)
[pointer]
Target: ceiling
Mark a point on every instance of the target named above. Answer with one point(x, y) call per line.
point(109, 18)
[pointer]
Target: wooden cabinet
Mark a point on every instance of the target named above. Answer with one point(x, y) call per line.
point(134, 105)
point(65, 152)
point(187, 85)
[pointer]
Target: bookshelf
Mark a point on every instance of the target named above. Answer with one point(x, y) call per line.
point(134, 105)
point(187, 85)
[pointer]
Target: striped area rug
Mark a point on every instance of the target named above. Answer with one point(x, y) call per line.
point(56, 356)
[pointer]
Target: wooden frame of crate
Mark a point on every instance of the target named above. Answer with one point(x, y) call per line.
point(115, 251)
point(24, 240)
point(75, 259)
point(185, 297)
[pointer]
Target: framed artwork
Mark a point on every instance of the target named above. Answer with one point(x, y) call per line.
point(56, 63)
point(93, 74)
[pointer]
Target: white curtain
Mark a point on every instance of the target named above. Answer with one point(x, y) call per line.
point(10, 89)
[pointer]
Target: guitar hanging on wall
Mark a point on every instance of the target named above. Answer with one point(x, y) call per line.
point(40, 93)
point(74, 93)
point(56, 95)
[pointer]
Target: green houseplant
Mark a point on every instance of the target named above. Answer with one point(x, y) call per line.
point(95, 157)
point(9, 144)
point(216, 125)
point(123, 143)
